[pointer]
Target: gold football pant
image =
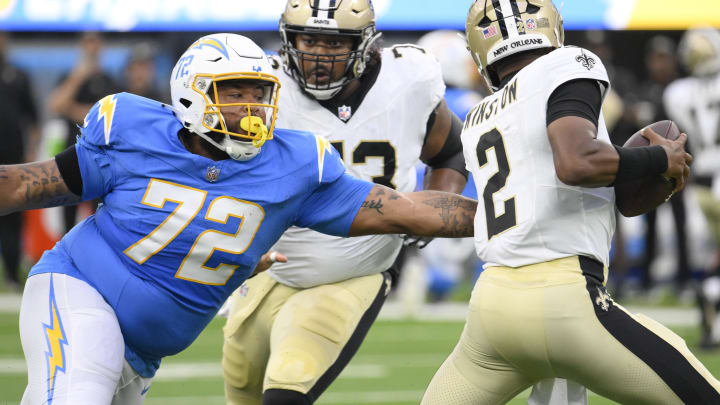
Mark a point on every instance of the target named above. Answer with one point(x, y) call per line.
point(279, 337)
point(710, 207)
point(555, 319)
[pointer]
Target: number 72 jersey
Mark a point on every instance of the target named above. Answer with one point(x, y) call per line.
point(525, 213)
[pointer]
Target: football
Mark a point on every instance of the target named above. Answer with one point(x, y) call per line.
point(644, 195)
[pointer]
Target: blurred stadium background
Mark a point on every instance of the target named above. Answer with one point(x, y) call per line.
point(136, 43)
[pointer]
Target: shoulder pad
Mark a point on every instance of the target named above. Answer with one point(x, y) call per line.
point(108, 119)
point(577, 59)
point(411, 63)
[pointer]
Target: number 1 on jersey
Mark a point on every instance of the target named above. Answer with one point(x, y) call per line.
point(496, 224)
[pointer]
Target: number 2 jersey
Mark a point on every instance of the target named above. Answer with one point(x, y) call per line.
point(380, 141)
point(176, 232)
point(525, 213)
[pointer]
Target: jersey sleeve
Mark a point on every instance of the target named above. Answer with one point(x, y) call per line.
point(572, 63)
point(93, 145)
point(329, 165)
point(423, 71)
point(331, 206)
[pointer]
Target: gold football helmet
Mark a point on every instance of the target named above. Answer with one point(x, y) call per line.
point(699, 51)
point(496, 29)
point(352, 18)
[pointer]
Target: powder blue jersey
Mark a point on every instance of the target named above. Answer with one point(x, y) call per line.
point(176, 232)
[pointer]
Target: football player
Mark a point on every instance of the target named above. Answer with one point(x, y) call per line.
point(292, 329)
point(193, 194)
point(694, 104)
point(541, 156)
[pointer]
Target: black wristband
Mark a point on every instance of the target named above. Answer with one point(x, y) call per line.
point(640, 162)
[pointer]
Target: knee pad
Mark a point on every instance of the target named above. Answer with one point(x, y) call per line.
point(332, 315)
point(285, 397)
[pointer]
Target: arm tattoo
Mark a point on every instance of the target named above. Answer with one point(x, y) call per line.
point(373, 204)
point(40, 185)
point(374, 200)
point(457, 214)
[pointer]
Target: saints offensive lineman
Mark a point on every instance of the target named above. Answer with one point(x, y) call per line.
point(541, 157)
point(694, 104)
point(292, 330)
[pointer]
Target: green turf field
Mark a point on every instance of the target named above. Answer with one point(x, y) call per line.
point(392, 367)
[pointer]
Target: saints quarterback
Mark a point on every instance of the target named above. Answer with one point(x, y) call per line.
point(540, 155)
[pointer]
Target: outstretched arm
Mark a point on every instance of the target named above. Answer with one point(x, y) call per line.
point(33, 185)
point(424, 213)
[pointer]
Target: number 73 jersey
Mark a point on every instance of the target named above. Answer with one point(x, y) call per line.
point(525, 213)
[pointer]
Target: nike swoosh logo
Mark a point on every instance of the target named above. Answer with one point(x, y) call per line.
point(145, 390)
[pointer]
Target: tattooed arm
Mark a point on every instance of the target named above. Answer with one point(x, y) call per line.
point(426, 213)
point(33, 185)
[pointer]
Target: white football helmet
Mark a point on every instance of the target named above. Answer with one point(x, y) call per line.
point(351, 18)
point(193, 89)
point(699, 51)
point(450, 49)
point(496, 29)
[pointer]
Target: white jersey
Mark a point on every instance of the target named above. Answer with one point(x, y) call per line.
point(694, 104)
point(526, 214)
point(379, 142)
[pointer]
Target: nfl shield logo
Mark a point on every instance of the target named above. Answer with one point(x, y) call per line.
point(244, 290)
point(531, 24)
point(213, 173)
point(344, 113)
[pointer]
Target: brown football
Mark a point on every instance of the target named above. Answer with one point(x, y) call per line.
point(644, 195)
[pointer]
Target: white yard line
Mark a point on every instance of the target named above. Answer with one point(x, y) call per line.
point(329, 398)
point(10, 303)
point(452, 311)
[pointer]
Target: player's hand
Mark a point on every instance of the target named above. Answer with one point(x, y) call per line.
point(417, 241)
point(678, 159)
point(267, 260)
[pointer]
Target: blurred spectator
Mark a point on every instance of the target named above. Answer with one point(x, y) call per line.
point(694, 103)
point(661, 65)
point(140, 73)
point(465, 86)
point(18, 120)
point(77, 92)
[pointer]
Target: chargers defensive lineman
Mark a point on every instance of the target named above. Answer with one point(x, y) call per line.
point(694, 104)
point(192, 195)
point(293, 329)
point(542, 160)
